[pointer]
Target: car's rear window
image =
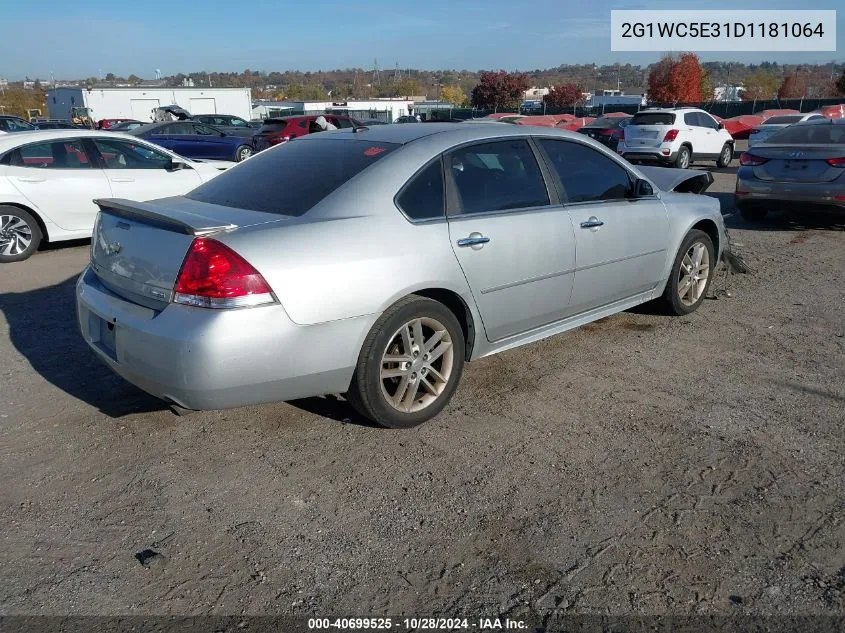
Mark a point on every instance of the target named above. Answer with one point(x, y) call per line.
point(810, 134)
point(653, 118)
point(292, 178)
point(783, 120)
point(273, 126)
point(608, 122)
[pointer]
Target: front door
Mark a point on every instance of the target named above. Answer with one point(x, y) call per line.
point(60, 180)
point(139, 172)
point(516, 248)
point(621, 241)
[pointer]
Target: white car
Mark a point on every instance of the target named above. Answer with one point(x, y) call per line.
point(49, 180)
point(676, 137)
point(773, 124)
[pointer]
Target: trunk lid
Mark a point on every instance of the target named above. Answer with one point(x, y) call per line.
point(137, 248)
point(797, 163)
point(644, 135)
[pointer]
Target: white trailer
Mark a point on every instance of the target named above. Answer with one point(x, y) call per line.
point(138, 103)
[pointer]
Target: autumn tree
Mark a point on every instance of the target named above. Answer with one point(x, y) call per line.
point(794, 86)
point(564, 95)
point(407, 88)
point(676, 80)
point(454, 95)
point(134, 79)
point(760, 85)
point(499, 90)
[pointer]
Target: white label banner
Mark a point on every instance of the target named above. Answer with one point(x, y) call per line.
point(722, 30)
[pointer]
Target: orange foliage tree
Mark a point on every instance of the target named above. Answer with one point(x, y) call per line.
point(676, 80)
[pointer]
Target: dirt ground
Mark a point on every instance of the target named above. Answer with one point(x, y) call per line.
point(639, 465)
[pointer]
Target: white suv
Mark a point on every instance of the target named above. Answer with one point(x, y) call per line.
point(676, 136)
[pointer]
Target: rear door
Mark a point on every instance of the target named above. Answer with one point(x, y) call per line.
point(621, 242)
point(61, 180)
point(181, 139)
point(137, 171)
point(164, 136)
point(708, 140)
point(208, 143)
point(513, 240)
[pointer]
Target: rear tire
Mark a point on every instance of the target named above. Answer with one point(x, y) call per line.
point(20, 234)
point(242, 153)
point(692, 273)
point(754, 215)
point(684, 158)
point(410, 364)
point(725, 156)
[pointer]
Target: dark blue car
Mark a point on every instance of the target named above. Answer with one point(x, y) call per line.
point(196, 140)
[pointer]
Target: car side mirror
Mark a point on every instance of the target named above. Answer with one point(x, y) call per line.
point(176, 165)
point(720, 125)
point(643, 188)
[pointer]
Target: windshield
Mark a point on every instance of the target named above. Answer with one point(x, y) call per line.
point(653, 118)
point(813, 134)
point(783, 120)
point(292, 178)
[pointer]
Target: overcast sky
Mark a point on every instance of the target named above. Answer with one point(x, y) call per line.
point(319, 35)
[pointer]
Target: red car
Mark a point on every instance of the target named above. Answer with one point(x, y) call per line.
point(104, 124)
point(279, 130)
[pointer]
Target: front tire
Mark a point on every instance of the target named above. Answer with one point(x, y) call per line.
point(20, 234)
point(692, 272)
point(410, 364)
point(725, 156)
point(682, 160)
point(242, 153)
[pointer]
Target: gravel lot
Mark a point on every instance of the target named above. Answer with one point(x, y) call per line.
point(639, 465)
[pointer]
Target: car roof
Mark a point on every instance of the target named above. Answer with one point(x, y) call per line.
point(448, 132)
point(824, 121)
point(10, 141)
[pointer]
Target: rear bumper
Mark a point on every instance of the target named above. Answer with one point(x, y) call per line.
point(789, 196)
point(217, 359)
point(647, 155)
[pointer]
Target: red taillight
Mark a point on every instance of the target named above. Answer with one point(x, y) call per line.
point(836, 162)
point(215, 276)
point(750, 160)
point(671, 135)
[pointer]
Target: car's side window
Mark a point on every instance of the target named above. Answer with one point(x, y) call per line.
point(586, 174)
point(65, 154)
point(178, 128)
point(343, 123)
point(708, 121)
point(496, 177)
point(236, 122)
point(17, 126)
point(203, 130)
point(124, 155)
point(691, 118)
point(423, 198)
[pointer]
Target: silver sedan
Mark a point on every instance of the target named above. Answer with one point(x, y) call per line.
point(376, 262)
point(799, 169)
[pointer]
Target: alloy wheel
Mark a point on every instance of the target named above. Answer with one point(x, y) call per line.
point(693, 274)
point(15, 235)
point(416, 365)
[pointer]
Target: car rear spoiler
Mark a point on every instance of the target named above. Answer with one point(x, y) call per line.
point(188, 224)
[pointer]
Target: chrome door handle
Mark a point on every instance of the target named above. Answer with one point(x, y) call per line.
point(474, 239)
point(591, 223)
point(32, 179)
point(123, 180)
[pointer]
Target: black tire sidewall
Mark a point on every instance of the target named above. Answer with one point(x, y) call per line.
point(34, 227)
point(671, 294)
point(678, 161)
point(366, 384)
point(722, 164)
